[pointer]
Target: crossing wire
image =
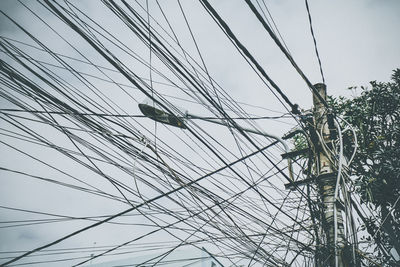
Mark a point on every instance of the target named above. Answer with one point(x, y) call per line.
point(211, 10)
point(128, 210)
point(96, 124)
point(315, 42)
point(287, 54)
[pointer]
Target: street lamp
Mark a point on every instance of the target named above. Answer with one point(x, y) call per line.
point(159, 115)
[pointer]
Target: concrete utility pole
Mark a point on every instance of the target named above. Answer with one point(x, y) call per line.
point(333, 251)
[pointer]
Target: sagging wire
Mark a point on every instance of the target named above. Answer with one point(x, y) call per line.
point(145, 142)
point(342, 166)
point(351, 128)
point(339, 174)
point(334, 152)
point(331, 152)
point(262, 133)
point(350, 226)
point(166, 165)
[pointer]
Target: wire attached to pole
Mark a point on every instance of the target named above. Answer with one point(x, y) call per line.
point(315, 42)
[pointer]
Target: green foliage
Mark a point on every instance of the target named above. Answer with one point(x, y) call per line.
point(299, 142)
point(375, 114)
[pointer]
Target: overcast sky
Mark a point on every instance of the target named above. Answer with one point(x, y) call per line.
point(358, 41)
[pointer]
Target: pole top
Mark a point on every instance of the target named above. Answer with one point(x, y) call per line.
point(321, 89)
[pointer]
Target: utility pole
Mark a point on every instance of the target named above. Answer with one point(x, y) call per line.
point(332, 253)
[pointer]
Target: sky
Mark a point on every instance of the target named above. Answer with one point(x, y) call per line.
point(357, 42)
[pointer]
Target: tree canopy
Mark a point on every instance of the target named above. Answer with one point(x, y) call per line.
point(375, 114)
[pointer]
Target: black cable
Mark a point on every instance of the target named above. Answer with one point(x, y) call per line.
point(96, 125)
point(86, 114)
point(276, 27)
point(315, 42)
point(212, 11)
point(113, 70)
point(278, 43)
point(130, 209)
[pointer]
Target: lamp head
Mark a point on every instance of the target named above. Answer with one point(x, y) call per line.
point(161, 116)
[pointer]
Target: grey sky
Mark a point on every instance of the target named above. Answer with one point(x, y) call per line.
point(358, 42)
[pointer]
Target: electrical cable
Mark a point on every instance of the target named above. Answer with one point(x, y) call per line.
point(315, 42)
